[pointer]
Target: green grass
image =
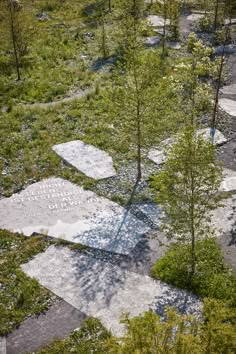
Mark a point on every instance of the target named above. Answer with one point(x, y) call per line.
point(20, 296)
point(213, 278)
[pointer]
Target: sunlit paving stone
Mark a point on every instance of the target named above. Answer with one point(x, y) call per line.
point(64, 210)
point(88, 159)
point(103, 290)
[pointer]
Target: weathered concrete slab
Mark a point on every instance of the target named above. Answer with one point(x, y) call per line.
point(229, 182)
point(228, 49)
point(157, 21)
point(36, 332)
point(224, 218)
point(64, 210)
point(86, 158)
point(158, 155)
point(174, 45)
point(219, 138)
point(152, 41)
point(229, 90)
point(229, 106)
point(195, 17)
point(102, 290)
point(3, 349)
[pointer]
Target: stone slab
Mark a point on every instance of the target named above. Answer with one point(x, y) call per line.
point(159, 157)
point(228, 49)
point(174, 45)
point(152, 41)
point(3, 349)
point(157, 21)
point(229, 90)
point(88, 159)
point(195, 17)
point(102, 290)
point(35, 332)
point(229, 106)
point(219, 138)
point(229, 182)
point(224, 218)
point(61, 209)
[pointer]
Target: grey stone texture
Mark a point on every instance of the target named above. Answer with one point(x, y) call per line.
point(229, 106)
point(158, 155)
point(88, 159)
point(157, 21)
point(229, 90)
point(229, 182)
point(224, 218)
point(57, 323)
point(194, 17)
point(3, 349)
point(103, 290)
point(61, 209)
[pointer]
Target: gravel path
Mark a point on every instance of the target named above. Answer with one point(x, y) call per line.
point(72, 96)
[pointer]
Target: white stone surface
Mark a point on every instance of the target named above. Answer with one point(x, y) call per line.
point(219, 138)
point(157, 21)
point(224, 218)
point(229, 182)
point(3, 348)
point(103, 290)
point(61, 209)
point(174, 45)
point(86, 158)
point(229, 90)
point(194, 17)
point(152, 41)
point(229, 106)
point(158, 155)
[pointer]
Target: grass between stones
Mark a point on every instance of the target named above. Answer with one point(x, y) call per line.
point(213, 278)
point(20, 296)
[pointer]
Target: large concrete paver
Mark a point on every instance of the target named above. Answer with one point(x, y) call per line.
point(103, 290)
point(36, 332)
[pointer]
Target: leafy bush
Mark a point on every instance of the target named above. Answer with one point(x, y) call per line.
point(213, 277)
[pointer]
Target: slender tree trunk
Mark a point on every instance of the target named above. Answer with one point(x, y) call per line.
point(13, 35)
point(193, 241)
point(104, 50)
point(216, 102)
point(109, 5)
point(164, 30)
point(139, 174)
point(216, 14)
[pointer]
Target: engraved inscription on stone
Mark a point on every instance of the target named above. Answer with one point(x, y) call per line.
point(61, 209)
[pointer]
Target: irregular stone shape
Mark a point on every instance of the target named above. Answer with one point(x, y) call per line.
point(152, 41)
point(86, 158)
point(224, 218)
point(229, 182)
point(104, 290)
point(36, 332)
point(229, 90)
point(229, 106)
point(219, 138)
point(157, 21)
point(159, 157)
point(194, 17)
point(161, 31)
point(229, 49)
point(3, 349)
point(174, 45)
point(61, 209)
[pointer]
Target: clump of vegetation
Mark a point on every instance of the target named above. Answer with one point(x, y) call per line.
point(20, 296)
point(212, 278)
point(150, 334)
point(91, 338)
